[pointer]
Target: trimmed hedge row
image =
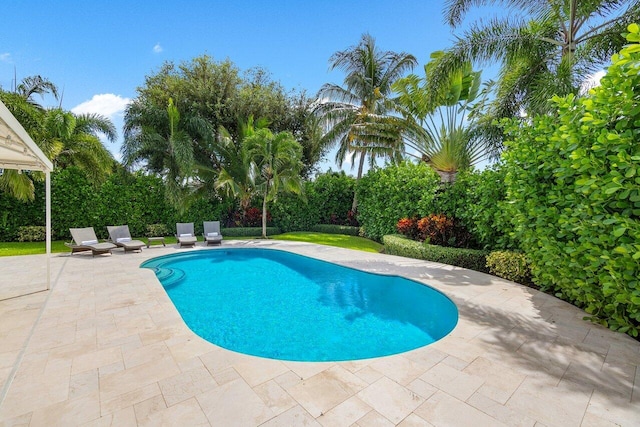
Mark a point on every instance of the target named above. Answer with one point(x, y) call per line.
point(472, 259)
point(248, 231)
point(134, 199)
point(336, 229)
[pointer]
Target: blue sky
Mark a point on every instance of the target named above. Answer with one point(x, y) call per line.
point(98, 52)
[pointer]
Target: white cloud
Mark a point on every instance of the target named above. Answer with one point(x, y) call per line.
point(157, 48)
point(5, 57)
point(106, 104)
point(592, 81)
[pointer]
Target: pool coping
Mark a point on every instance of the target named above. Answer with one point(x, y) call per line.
point(109, 347)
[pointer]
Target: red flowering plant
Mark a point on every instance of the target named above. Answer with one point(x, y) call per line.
point(408, 227)
point(438, 229)
point(252, 218)
point(435, 229)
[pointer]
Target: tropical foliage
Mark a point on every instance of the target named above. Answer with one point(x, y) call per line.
point(395, 192)
point(67, 139)
point(545, 48)
point(275, 166)
point(358, 117)
point(444, 137)
point(573, 183)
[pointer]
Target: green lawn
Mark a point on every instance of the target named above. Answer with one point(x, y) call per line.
point(339, 240)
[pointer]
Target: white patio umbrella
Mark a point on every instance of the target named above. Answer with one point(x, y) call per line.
point(18, 151)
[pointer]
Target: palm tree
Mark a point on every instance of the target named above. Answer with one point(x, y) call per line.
point(549, 50)
point(235, 176)
point(36, 85)
point(359, 116)
point(165, 141)
point(445, 137)
point(65, 138)
point(275, 166)
point(76, 142)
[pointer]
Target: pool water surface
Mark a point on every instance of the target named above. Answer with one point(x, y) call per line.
point(285, 306)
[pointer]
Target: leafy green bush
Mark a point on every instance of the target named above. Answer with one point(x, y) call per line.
point(291, 212)
point(389, 194)
point(248, 231)
point(481, 207)
point(15, 213)
point(467, 258)
point(32, 233)
point(157, 230)
point(573, 181)
point(327, 200)
point(334, 197)
point(509, 265)
point(74, 204)
point(336, 229)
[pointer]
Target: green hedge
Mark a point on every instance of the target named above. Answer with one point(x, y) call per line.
point(134, 199)
point(467, 258)
point(327, 199)
point(248, 231)
point(395, 192)
point(573, 182)
point(336, 229)
point(290, 212)
point(477, 200)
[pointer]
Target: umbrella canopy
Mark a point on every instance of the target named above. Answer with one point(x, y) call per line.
point(17, 149)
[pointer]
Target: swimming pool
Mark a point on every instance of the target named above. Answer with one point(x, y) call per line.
point(285, 306)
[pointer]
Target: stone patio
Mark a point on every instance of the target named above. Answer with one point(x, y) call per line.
point(106, 347)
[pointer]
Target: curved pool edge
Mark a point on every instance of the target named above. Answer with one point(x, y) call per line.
point(294, 249)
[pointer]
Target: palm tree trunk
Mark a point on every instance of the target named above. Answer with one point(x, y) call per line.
point(354, 205)
point(264, 212)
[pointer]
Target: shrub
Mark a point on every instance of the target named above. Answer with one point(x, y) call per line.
point(294, 213)
point(435, 229)
point(509, 265)
point(73, 203)
point(252, 217)
point(467, 258)
point(32, 233)
point(333, 198)
point(408, 227)
point(157, 230)
point(248, 231)
point(386, 195)
point(482, 208)
point(573, 182)
point(443, 231)
point(336, 229)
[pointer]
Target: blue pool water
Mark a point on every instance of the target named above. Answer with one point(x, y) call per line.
point(285, 306)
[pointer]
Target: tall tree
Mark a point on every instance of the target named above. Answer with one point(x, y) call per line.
point(219, 95)
point(359, 117)
point(545, 48)
point(165, 140)
point(275, 165)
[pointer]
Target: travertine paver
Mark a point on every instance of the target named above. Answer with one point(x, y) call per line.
point(107, 347)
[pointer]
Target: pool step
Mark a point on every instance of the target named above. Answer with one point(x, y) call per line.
point(169, 277)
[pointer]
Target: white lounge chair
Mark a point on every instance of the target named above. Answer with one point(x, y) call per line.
point(121, 237)
point(185, 234)
point(84, 239)
point(212, 234)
